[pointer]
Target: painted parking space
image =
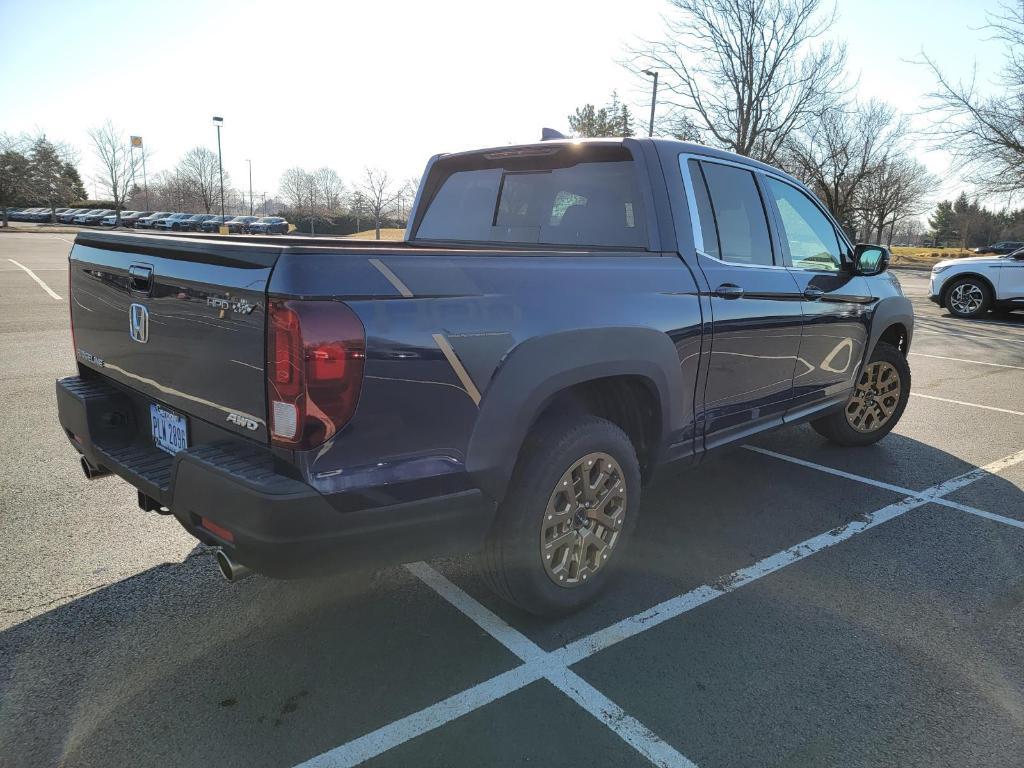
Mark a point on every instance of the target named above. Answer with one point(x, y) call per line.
point(901, 647)
point(770, 612)
point(696, 526)
point(934, 440)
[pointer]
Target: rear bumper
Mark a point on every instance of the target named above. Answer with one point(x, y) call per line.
point(275, 524)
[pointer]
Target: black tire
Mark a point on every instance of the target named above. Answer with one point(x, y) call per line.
point(979, 303)
point(511, 561)
point(837, 426)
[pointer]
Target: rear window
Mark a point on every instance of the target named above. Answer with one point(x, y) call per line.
point(595, 203)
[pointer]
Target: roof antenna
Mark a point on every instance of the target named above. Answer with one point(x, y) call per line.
point(550, 134)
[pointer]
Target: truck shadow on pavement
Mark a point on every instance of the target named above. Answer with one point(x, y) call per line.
point(175, 667)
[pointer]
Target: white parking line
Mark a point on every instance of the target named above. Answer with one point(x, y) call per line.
point(554, 665)
point(972, 405)
point(923, 495)
point(833, 471)
point(963, 360)
point(676, 606)
point(969, 337)
point(426, 720)
point(628, 728)
point(555, 671)
point(35, 277)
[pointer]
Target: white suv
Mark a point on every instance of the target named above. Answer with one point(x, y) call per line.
point(971, 287)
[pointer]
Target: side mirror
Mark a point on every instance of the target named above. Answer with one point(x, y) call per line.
point(870, 259)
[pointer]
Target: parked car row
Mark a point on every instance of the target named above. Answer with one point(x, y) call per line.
point(1001, 248)
point(34, 214)
point(166, 221)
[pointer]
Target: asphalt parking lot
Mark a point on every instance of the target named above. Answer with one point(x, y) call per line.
point(787, 603)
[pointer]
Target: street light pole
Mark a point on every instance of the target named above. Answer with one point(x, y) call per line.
point(654, 99)
point(219, 121)
point(312, 208)
point(250, 185)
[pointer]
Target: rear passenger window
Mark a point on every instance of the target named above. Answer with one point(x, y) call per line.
point(739, 215)
point(705, 215)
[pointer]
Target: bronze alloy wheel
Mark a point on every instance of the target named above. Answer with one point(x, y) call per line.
point(583, 520)
point(875, 398)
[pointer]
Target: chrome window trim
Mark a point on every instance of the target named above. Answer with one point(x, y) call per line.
point(698, 236)
point(691, 202)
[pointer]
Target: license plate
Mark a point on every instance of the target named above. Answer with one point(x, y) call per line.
point(170, 431)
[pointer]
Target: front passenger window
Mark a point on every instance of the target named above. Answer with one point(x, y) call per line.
point(812, 239)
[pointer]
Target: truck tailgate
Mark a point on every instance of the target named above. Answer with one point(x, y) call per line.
point(181, 320)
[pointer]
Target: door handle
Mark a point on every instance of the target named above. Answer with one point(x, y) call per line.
point(140, 278)
point(728, 291)
point(813, 294)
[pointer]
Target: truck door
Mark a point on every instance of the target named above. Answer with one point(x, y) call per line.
point(755, 305)
point(836, 303)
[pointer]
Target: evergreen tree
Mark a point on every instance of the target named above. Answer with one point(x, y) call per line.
point(943, 221)
point(51, 179)
point(73, 182)
point(13, 174)
point(626, 121)
point(614, 120)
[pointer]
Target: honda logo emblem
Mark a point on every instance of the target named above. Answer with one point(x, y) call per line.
point(138, 323)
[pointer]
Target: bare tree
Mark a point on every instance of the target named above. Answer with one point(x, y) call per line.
point(898, 189)
point(379, 195)
point(330, 190)
point(747, 72)
point(168, 192)
point(198, 171)
point(985, 132)
point(294, 186)
point(406, 195)
point(117, 164)
point(357, 207)
point(837, 152)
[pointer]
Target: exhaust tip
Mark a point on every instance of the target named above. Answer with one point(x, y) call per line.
point(92, 472)
point(231, 571)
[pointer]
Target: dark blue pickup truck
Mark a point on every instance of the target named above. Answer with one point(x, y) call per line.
point(563, 318)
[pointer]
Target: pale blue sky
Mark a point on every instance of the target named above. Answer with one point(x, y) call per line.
point(388, 83)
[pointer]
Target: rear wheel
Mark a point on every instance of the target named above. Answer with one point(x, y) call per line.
point(876, 404)
point(969, 297)
point(572, 506)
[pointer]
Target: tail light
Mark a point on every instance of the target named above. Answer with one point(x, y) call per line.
point(315, 353)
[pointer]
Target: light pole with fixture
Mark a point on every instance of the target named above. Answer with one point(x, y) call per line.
point(654, 99)
point(136, 141)
point(219, 121)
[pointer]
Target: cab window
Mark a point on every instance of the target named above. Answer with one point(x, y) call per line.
point(807, 232)
point(731, 215)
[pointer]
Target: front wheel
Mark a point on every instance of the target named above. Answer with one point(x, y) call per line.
point(572, 506)
point(876, 404)
point(969, 297)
